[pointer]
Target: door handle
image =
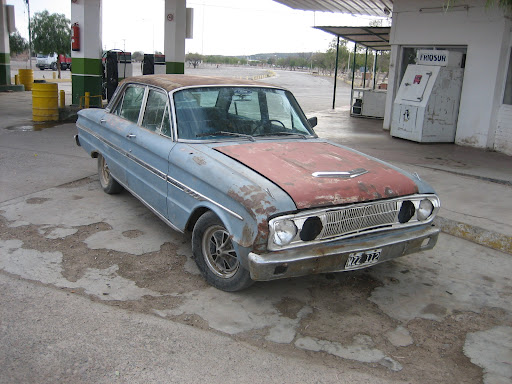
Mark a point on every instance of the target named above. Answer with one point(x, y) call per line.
point(102, 121)
point(131, 136)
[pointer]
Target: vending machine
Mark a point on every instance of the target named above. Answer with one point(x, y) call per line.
point(426, 107)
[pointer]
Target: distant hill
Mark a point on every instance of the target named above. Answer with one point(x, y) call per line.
point(278, 55)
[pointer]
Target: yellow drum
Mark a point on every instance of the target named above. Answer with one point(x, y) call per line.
point(26, 77)
point(45, 102)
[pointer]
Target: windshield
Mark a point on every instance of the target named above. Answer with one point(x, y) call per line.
point(238, 112)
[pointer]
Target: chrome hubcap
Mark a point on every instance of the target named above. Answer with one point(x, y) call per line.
point(219, 253)
point(105, 173)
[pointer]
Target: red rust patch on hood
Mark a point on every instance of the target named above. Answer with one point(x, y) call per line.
point(291, 165)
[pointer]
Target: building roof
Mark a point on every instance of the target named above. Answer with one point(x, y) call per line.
point(355, 7)
point(376, 38)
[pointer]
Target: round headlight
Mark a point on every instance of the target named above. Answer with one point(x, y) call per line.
point(284, 232)
point(425, 209)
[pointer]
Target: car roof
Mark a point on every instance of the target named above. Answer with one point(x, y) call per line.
point(171, 82)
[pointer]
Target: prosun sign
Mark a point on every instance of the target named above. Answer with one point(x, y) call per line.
point(440, 58)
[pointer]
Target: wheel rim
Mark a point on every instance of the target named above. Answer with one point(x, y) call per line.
point(219, 253)
point(104, 172)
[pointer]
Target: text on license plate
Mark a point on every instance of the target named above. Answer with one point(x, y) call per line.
point(359, 259)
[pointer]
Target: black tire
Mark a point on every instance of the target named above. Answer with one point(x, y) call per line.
point(215, 256)
point(108, 183)
point(53, 66)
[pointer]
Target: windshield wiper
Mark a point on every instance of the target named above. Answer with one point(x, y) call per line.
point(301, 135)
point(220, 133)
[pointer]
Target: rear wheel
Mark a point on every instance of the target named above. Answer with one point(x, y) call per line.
point(54, 66)
point(108, 183)
point(216, 257)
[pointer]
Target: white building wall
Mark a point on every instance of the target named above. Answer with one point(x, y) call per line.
point(484, 32)
point(503, 139)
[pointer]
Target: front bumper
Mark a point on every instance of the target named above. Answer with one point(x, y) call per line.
point(332, 256)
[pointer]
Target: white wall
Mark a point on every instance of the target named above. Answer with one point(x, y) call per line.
point(503, 138)
point(484, 31)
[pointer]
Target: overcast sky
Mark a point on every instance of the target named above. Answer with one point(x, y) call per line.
point(224, 27)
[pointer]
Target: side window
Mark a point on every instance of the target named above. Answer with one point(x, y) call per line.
point(166, 124)
point(155, 109)
point(129, 107)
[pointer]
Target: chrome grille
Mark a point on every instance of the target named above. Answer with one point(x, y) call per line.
point(358, 219)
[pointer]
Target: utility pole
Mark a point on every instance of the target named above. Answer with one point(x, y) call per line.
point(29, 36)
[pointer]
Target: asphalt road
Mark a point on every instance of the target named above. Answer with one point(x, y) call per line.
point(96, 289)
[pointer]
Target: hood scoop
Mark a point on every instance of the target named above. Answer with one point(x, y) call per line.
point(341, 174)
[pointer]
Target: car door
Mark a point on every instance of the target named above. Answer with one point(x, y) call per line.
point(114, 126)
point(149, 147)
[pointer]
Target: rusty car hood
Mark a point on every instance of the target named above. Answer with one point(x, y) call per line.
point(291, 165)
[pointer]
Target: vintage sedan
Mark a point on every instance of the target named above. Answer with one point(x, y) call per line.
point(237, 164)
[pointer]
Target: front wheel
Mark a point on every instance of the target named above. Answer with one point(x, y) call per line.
point(108, 183)
point(53, 66)
point(216, 257)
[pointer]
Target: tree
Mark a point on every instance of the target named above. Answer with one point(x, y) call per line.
point(17, 43)
point(194, 59)
point(137, 56)
point(51, 33)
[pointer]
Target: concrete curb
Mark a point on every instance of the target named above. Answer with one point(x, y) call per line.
point(478, 235)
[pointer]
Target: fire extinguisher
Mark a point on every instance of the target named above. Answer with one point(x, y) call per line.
point(75, 37)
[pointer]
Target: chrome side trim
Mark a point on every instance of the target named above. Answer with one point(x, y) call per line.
point(182, 187)
point(199, 196)
point(126, 154)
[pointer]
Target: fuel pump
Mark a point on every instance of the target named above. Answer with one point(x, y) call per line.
point(153, 64)
point(117, 65)
point(110, 74)
point(148, 64)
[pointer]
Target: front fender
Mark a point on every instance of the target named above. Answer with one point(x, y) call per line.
point(240, 197)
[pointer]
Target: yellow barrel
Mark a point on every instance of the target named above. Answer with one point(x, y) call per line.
point(45, 102)
point(26, 77)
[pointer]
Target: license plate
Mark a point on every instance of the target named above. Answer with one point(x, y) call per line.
point(360, 259)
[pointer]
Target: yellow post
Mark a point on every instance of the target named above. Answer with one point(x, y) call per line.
point(16, 80)
point(87, 99)
point(62, 99)
point(54, 75)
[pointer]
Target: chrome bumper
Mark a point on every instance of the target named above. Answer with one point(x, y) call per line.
point(332, 256)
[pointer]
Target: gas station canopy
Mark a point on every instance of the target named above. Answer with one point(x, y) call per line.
point(356, 7)
point(376, 38)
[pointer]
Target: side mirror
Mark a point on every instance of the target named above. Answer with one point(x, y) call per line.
point(313, 121)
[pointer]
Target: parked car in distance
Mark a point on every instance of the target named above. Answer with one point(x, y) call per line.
point(50, 62)
point(238, 164)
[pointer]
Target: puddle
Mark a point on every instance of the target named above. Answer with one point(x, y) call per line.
point(34, 126)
